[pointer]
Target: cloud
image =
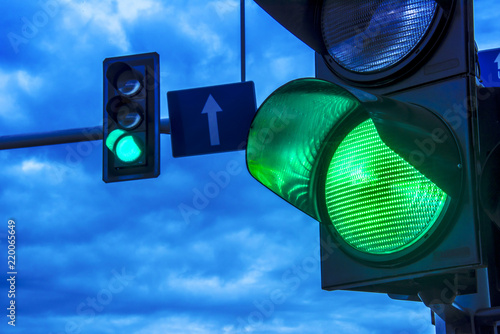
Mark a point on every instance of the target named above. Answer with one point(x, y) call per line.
point(212, 286)
point(32, 166)
point(487, 24)
point(282, 66)
point(28, 83)
point(178, 324)
point(204, 33)
point(43, 171)
point(225, 7)
point(107, 20)
point(14, 85)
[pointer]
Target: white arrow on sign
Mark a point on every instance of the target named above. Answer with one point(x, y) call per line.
point(211, 108)
point(498, 61)
point(498, 64)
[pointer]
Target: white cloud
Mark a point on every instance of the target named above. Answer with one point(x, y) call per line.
point(109, 18)
point(19, 79)
point(207, 26)
point(212, 286)
point(13, 86)
point(32, 166)
point(225, 7)
point(202, 33)
point(30, 84)
point(178, 325)
point(131, 10)
point(44, 171)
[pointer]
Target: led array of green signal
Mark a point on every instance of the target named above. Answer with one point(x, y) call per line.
point(378, 202)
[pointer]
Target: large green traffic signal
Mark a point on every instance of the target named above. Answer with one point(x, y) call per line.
point(131, 118)
point(383, 146)
point(331, 152)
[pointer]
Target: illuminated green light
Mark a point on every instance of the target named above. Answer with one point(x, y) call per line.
point(378, 202)
point(127, 147)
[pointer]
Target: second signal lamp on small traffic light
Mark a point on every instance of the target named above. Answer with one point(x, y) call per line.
point(131, 117)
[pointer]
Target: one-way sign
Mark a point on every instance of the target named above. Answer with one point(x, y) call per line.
point(211, 119)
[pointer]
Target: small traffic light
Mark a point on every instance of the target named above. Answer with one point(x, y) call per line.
point(382, 147)
point(131, 147)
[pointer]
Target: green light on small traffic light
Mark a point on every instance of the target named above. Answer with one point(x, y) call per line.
point(128, 148)
point(378, 202)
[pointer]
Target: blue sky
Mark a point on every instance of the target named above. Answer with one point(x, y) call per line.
point(120, 258)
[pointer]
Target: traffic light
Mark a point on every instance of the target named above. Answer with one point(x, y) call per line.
point(131, 138)
point(382, 147)
point(489, 136)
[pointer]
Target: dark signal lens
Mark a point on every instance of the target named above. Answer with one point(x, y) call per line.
point(368, 36)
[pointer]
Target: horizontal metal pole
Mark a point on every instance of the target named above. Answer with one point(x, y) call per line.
point(165, 126)
point(62, 136)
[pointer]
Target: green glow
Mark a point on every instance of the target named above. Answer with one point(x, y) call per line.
point(287, 135)
point(377, 202)
point(112, 138)
point(127, 147)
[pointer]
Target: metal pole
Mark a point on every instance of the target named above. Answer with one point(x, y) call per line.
point(62, 136)
point(469, 314)
point(165, 126)
point(242, 40)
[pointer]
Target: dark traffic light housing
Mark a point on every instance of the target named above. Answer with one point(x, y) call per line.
point(383, 146)
point(131, 117)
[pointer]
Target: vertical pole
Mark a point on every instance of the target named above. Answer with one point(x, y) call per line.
point(242, 40)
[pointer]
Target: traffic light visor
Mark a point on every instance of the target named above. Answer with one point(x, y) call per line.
point(321, 147)
point(125, 79)
point(128, 114)
point(287, 135)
